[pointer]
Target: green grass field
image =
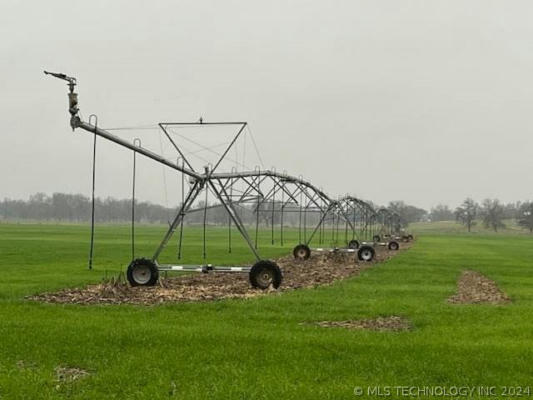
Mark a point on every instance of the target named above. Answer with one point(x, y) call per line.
point(257, 348)
point(447, 227)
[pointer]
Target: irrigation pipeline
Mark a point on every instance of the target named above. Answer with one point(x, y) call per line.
point(235, 188)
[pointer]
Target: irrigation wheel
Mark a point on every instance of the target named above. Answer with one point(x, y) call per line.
point(264, 274)
point(393, 245)
point(366, 253)
point(353, 244)
point(142, 272)
point(301, 252)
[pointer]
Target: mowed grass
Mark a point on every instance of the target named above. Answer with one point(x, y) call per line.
point(257, 348)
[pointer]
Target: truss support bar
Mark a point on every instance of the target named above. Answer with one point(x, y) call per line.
point(78, 123)
point(191, 196)
point(228, 205)
point(320, 222)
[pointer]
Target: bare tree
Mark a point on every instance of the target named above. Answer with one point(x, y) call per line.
point(441, 212)
point(525, 216)
point(407, 212)
point(493, 213)
point(511, 210)
point(466, 213)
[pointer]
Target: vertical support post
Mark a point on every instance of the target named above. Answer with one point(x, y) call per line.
point(321, 229)
point(136, 142)
point(204, 250)
point(305, 224)
point(333, 229)
point(273, 211)
point(282, 212)
point(257, 211)
point(229, 217)
point(321, 224)
point(354, 232)
point(91, 249)
point(346, 232)
point(300, 220)
point(257, 222)
point(337, 231)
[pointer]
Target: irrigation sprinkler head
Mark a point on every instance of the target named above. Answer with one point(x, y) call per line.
point(71, 80)
point(72, 96)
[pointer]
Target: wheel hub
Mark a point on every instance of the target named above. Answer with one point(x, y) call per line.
point(141, 274)
point(265, 278)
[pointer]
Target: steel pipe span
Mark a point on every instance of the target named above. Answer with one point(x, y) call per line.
point(267, 191)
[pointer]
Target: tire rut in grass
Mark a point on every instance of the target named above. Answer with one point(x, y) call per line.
point(390, 323)
point(70, 374)
point(475, 288)
point(320, 269)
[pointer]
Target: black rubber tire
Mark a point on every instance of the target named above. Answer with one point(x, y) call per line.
point(376, 238)
point(366, 253)
point(147, 273)
point(265, 273)
point(410, 237)
point(393, 245)
point(301, 252)
point(353, 244)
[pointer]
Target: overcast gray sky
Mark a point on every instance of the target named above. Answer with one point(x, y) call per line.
point(424, 101)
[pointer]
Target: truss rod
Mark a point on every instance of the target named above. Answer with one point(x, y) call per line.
point(78, 123)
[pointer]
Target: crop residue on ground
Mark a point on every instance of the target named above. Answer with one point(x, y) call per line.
point(320, 269)
point(475, 288)
point(69, 374)
point(390, 323)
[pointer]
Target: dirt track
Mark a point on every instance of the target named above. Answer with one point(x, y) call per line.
point(320, 269)
point(475, 288)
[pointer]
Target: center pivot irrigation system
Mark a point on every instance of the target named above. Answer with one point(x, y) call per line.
point(347, 220)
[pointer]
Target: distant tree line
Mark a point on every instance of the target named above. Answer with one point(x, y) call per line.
point(491, 213)
point(407, 212)
point(60, 207)
point(77, 208)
